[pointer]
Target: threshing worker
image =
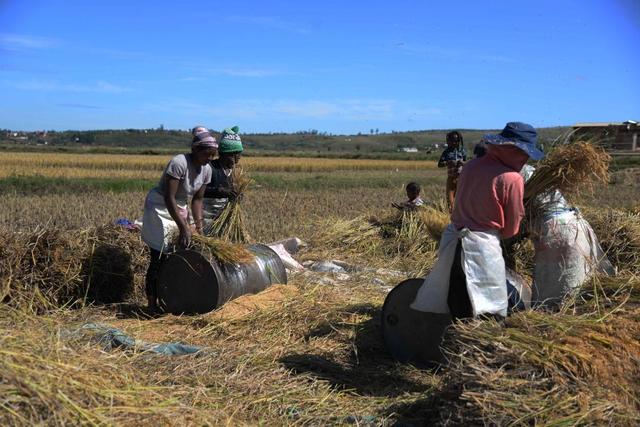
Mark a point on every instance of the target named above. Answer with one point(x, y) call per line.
point(453, 157)
point(567, 251)
point(165, 208)
point(469, 277)
point(220, 190)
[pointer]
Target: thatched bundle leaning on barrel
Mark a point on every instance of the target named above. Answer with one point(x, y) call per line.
point(469, 278)
point(165, 208)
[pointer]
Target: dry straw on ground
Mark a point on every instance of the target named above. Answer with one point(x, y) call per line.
point(405, 239)
point(619, 235)
point(316, 356)
point(575, 367)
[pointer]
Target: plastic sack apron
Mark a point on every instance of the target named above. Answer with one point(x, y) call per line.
point(157, 225)
point(483, 265)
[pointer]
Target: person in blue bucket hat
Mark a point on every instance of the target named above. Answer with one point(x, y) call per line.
point(469, 278)
point(522, 135)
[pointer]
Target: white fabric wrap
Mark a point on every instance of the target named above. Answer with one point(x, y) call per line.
point(567, 253)
point(158, 228)
point(483, 265)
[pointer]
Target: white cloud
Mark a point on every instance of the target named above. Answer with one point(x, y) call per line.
point(18, 42)
point(346, 109)
point(55, 86)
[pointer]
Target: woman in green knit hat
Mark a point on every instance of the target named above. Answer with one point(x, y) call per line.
point(220, 190)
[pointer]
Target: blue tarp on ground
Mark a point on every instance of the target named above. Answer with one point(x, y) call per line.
point(110, 338)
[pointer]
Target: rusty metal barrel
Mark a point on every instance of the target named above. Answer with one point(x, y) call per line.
point(190, 282)
point(412, 336)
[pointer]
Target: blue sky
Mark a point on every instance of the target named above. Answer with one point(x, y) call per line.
point(336, 66)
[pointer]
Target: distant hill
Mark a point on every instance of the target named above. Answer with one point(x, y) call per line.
point(300, 143)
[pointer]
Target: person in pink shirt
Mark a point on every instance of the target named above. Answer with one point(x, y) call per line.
point(469, 277)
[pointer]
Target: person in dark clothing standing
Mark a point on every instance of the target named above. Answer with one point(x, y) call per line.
point(220, 190)
point(453, 157)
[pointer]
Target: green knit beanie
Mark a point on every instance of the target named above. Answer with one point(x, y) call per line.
point(230, 141)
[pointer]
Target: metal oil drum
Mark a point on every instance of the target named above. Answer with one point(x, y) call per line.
point(190, 282)
point(412, 336)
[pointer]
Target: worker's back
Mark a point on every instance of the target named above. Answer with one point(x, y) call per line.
point(489, 195)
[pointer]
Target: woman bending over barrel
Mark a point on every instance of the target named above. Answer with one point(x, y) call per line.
point(165, 209)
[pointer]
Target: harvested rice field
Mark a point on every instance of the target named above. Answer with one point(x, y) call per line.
point(309, 352)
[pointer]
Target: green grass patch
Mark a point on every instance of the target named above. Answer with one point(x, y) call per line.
point(342, 180)
point(27, 185)
point(624, 161)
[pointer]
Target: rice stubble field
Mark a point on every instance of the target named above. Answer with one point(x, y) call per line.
point(309, 352)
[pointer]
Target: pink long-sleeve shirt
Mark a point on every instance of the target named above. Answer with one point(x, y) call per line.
point(490, 190)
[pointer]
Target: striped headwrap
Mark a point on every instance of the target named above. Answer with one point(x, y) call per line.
point(198, 129)
point(204, 139)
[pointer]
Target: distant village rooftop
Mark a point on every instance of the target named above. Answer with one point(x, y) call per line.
point(614, 135)
point(631, 123)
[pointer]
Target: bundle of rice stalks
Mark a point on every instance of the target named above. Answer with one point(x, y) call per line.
point(48, 268)
point(570, 169)
point(541, 368)
point(619, 235)
point(434, 220)
point(356, 235)
point(230, 225)
point(406, 239)
point(40, 270)
point(223, 251)
point(520, 256)
point(415, 224)
point(113, 271)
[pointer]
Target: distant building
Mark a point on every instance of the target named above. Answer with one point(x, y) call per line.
point(613, 135)
point(409, 149)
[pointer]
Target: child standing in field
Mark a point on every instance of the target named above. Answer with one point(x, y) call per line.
point(413, 197)
point(453, 157)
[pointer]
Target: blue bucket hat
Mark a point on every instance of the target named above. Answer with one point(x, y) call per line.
point(521, 135)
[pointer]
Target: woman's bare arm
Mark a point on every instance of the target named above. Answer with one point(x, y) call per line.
point(172, 207)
